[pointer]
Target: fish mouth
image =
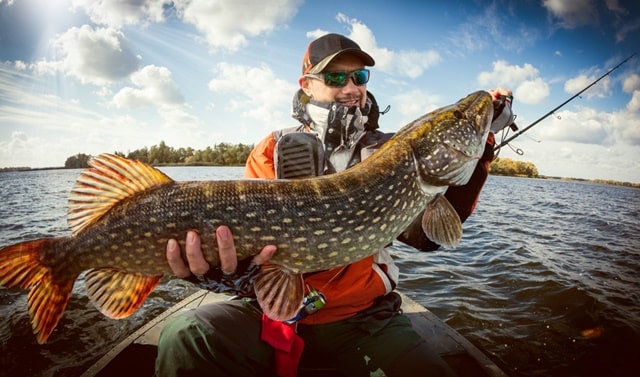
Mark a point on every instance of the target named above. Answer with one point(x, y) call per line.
point(447, 166)
point(461, 142)
point(466, 142)
point(461, 167)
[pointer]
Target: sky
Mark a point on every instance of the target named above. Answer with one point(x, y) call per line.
point(94, 76)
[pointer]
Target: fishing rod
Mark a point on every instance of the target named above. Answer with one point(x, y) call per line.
point(507, 141)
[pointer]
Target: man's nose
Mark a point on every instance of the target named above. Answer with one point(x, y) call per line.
point(351, 85)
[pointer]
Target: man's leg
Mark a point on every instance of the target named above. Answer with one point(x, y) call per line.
point(220, 339)
point(379, 338)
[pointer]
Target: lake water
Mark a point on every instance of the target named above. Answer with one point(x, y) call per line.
point(546, 280)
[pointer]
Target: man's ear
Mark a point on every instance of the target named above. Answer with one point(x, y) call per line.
point(305, 85)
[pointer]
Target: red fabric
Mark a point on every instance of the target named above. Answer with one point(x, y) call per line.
point(352, 289)
point(287, 345)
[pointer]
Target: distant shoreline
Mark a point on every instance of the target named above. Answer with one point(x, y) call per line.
point(597, 181)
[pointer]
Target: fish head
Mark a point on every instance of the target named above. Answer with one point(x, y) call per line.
point(452, 140)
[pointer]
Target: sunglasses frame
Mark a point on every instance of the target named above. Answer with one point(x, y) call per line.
point(329, 77)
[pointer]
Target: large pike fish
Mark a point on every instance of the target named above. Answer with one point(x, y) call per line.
point(123, 212)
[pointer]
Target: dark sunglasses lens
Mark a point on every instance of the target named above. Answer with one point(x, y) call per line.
point(361, 77)
point(336, 78)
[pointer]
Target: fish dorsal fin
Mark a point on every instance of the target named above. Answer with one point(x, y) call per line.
point(441, 223)
point(118, 294)
point(279, 291)
point(109, 180)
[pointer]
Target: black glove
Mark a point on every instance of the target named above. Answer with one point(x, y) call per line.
point(239, 283)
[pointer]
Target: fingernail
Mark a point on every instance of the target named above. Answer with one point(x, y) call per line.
point(172, 244)
point(191, 237)
point(224, 234)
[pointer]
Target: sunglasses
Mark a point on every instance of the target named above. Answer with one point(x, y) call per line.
point(339, 79)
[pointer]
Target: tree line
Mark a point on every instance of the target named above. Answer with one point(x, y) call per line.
point(507, 166)
point(222, 154)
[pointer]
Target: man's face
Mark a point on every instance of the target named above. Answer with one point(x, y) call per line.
point(348, 95)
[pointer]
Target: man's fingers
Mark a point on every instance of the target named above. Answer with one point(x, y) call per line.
point(197, 264)
point(179, 268)
point(227, 250)
point(496, 93)
point(266, 254)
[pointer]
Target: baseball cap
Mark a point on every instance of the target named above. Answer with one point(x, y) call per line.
point(323, 50)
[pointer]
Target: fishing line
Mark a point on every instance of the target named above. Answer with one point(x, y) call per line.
point(507, 141)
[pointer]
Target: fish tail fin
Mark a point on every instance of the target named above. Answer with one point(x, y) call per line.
point(279, 291)
point(20, 267)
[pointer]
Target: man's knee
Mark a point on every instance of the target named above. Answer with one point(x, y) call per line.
point(182, 348)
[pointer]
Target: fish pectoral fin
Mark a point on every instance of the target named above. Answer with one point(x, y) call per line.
point(279, 291)
point(109, 180)
point(118, 294)
point(441, 223)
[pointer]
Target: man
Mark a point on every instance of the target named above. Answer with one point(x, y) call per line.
point(360, 328)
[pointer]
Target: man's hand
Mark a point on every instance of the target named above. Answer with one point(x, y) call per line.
point(502, 113)
point(198, 270)
point(496, 93)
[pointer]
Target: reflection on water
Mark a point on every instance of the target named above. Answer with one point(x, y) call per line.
point(545, 280)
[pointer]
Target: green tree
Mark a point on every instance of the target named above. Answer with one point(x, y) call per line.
point(78, 161)
point(506, 166)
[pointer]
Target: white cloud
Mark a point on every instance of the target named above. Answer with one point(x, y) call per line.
point(410, 63)
point(414, 103)
point(634, 103)
point(588, 126)
point(116, 13)
point(631, 83)
point(23, 107)
point(567, 159)
point(157, 88)
point(97, 56)
point(626, 29)
point(18, 149)
point(572, 13)
point(20, 65)
point(615, 7)
point(17, 144)
point(600, 90)
point(507, 74)
point(532, 91)
point(259, 92)
point(227, 24)
point(524, 81)
point(177, 118)
point(493, 27)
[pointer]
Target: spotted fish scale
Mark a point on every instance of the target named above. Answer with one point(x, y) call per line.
point(123, 212)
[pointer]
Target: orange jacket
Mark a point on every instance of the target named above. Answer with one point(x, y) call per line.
point(347, 290)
